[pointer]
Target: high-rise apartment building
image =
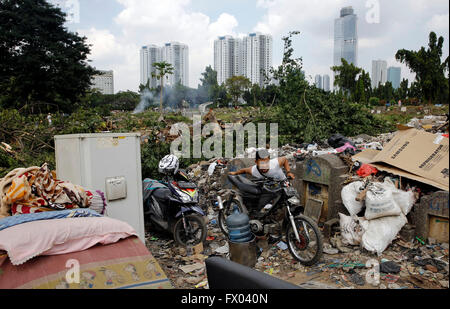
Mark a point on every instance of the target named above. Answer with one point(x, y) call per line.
point(149, 55)
point(175, 53)
point(379, 73)
point(250, 57)
point(227, 58)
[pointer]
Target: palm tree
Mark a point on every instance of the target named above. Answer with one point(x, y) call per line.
point(163, 69)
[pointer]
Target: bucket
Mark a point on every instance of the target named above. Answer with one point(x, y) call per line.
point(244, 253)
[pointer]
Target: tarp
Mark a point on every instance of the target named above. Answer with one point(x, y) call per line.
point(413, 154)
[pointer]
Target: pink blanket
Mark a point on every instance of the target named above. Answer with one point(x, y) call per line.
point(59, 236)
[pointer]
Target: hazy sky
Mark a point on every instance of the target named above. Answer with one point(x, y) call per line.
point(117, 29)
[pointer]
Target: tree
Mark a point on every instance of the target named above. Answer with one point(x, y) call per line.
point(345, 77)
point(236, 85)
point(163, 69)
point(42, 64)
point(402, 91)
point(208, 90)
point(429, 68)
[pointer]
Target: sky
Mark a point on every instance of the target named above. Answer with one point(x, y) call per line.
point(117, 29)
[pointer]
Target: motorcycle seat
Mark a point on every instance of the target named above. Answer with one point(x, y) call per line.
point(244, 184)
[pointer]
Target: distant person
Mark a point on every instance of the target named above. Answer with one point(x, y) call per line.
point(49, 119)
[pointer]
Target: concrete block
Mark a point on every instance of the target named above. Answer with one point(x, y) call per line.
point(432, 217)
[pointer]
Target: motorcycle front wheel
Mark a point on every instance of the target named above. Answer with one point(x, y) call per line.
point(310, 248)
point(190, 230)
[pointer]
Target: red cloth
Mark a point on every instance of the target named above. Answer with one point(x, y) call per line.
point(366, 170)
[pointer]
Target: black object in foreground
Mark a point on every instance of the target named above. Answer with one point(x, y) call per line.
point(225, 274)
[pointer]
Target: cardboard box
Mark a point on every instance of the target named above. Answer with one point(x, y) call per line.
point(413, 154)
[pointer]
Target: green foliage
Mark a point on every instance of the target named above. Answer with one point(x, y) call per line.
point(163, 69)
point(345, 77)
point(43, 67)
point(209, 89)
point(430, 69)
point(374, 101)
point(236, 86)
point(305, 113)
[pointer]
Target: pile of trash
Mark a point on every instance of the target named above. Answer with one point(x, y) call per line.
point(379, 196)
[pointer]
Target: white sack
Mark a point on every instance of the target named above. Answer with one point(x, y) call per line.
point(348, 195)
point(379, 233)
point(351, 230)
point(404, 199)
point(380, 201)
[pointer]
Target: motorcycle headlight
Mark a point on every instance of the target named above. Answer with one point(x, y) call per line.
point(185, 198)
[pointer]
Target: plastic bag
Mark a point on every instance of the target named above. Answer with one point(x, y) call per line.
point(380, 201)
point(351, 230)
point(379, 233)
point(366, 170)
point(349, 194)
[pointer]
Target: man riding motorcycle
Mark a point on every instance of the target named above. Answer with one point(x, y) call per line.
point(267, 168)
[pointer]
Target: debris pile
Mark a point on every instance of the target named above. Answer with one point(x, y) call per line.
point(375, 245)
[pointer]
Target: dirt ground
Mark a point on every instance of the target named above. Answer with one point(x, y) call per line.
point(342, 270)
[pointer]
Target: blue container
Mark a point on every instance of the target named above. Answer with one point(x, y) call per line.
point(238, 225)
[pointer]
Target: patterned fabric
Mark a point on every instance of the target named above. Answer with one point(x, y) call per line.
point(38, 190)
point(126, 264)
point(61, 214)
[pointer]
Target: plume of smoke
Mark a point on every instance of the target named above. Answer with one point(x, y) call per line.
point(147, 99)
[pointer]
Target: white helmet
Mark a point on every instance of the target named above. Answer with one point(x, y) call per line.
point(169, 165)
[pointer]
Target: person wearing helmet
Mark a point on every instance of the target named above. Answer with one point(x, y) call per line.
point(266, 168)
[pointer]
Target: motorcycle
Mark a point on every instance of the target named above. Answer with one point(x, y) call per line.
point(274, 208)
point(172, 205)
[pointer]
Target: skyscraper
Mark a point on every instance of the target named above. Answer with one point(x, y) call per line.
point(249, 57)
point(149, 55)
point(257, 52)
point(318, 81)
point(394, 76)
point(326, 83)
point(227, 58)
point(379, 73)
point(346, 37)
point(175, 53)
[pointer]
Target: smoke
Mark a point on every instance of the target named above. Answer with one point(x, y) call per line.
point(147, 99)
point(173, 98)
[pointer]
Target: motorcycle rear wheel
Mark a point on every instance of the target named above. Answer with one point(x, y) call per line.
point(194, 233)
